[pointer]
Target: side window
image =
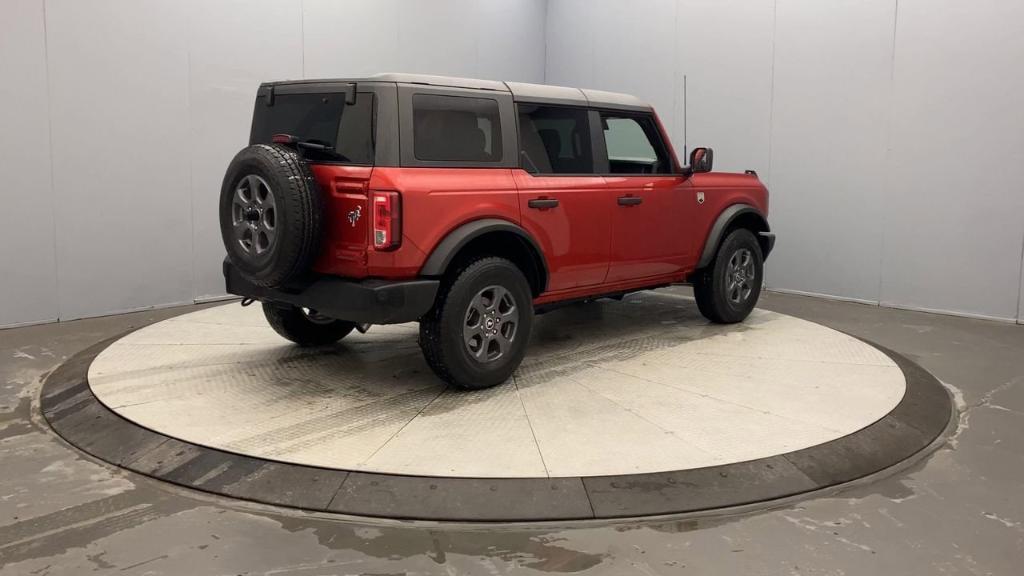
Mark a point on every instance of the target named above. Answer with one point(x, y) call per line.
point(634, 145)
point(554, 140)
point(456, 128)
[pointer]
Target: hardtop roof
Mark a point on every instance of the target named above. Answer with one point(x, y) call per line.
point(521, 91)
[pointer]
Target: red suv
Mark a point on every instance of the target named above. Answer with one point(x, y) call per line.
point(471, 205)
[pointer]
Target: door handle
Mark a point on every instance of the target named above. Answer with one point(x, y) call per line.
point(630, 200)
point(543, 203)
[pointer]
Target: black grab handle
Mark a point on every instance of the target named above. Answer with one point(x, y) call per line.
point(543, 203)
point(630, 200)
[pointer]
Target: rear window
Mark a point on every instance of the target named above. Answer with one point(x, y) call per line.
point(456, 129)
point(325, 118)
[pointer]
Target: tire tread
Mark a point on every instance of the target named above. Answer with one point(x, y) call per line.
point(304, 213)
point(707, 289)
point(432, 324)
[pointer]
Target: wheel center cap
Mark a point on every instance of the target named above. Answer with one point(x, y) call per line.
point(489, 323)
point(252, 214)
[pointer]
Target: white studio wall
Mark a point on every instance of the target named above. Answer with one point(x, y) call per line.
point(954, 200)
point(830, 122)
point(890, 134)
point(28, 290)
point(498, 39)
point(727, 57)
point(119, 112)
point(647, 51)
point(136, 108)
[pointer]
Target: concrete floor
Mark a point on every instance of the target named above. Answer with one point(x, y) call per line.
point(960, 511)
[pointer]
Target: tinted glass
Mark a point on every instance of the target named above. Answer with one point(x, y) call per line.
point(634, 146)
point(456, 129)
point(355, 131)
point(554, 140)
point(321, 119)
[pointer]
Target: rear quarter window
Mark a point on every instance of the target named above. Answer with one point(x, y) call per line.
point(456, 129)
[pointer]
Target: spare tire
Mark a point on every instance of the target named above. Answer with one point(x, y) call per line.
point(270, 210)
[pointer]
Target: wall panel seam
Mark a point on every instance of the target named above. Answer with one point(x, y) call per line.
point(302, 37)
point(771, 88)
point(887, 173)
point(544, 31)
point(1020, 281)
point(191, 163)
point(49, 145)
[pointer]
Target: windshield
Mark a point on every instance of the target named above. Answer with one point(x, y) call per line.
point(346, 130)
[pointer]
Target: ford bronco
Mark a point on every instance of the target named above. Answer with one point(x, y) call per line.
point(469, 206)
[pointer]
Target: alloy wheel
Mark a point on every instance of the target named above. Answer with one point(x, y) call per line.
point(490, 324)
point(254, 216)
point(740, 275)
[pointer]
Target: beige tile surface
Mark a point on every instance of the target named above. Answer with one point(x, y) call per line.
point(642, 385)
point(464, 434)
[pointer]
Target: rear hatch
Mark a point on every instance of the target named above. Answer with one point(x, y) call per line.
point(332, 125)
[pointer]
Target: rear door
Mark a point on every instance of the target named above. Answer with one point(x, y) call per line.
point(563, 202)
point(649, 218)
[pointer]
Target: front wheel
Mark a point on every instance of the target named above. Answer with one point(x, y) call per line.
point(728, 289)
point(476, 334)
point(303, 326)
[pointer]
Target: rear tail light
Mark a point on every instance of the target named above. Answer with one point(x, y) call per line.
point(387, 220)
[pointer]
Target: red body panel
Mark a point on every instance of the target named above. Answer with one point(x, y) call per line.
point(721, 190)
point(573, 235)
point(343, 250)
point(434, 201)
point(650, 238)
point(592, 245)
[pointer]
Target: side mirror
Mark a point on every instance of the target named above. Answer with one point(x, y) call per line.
point(701, 160)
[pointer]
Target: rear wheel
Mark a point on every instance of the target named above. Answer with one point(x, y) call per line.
point(303, 326)
point(728, 289)
point(476, 334)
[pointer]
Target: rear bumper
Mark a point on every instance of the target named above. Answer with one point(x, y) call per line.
point(365, 301)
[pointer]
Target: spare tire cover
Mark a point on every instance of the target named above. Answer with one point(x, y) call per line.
point(270, 211)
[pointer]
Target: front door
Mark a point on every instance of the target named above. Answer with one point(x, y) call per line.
point(648, 199)
point(563, 203)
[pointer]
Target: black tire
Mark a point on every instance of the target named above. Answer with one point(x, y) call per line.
point(724, 299)
point(282, 229)
point(305, 328)
point(447, 349)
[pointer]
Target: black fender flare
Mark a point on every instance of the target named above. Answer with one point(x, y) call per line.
point(722, 223)
point(449, 246)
